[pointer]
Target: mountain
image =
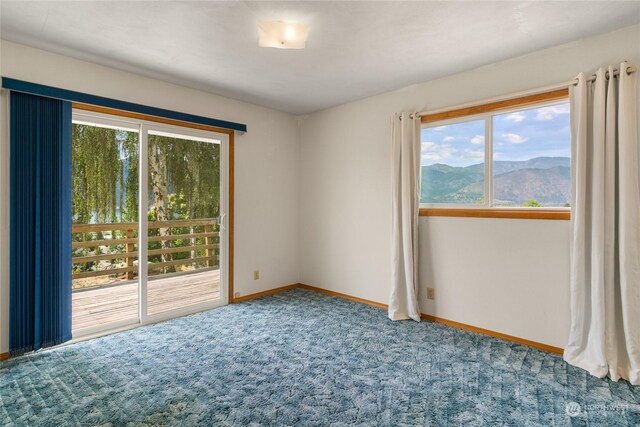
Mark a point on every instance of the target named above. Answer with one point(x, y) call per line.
point(545, 179)
point(443, 181)
point(501, 167)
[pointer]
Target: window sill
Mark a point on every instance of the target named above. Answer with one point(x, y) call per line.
point(557, 214)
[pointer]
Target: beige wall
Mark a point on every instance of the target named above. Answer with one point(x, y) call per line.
point(510, 276)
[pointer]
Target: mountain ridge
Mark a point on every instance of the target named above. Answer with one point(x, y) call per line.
point(544, 179)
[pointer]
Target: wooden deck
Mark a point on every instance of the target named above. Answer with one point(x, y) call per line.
point(114, 303)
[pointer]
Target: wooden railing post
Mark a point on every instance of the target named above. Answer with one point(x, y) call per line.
point(129, 247)
point(208, 241)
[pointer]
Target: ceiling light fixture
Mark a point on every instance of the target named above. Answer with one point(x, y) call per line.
point(282, 35)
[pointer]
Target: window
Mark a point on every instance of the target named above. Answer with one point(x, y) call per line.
point(453, 169)
point(502, 158)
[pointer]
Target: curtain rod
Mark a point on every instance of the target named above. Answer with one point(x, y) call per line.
point(85, 98)
point(543, 89)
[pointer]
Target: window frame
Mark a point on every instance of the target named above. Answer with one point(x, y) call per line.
point(486, 113)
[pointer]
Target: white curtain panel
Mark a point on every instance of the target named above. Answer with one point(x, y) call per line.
point(405, 189)
point(605, 219)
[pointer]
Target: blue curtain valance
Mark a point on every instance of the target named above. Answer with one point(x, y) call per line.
point(85, 98)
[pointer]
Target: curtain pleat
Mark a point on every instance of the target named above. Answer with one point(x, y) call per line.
point(604, 338)
point(405, 193)
point(40, 223)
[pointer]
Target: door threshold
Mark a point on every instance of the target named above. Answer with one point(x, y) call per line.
point(125, 325)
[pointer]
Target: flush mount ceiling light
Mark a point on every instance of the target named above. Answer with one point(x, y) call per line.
point(282, 35)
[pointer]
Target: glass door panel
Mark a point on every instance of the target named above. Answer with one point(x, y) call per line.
point(105, 161)
point(184, 233)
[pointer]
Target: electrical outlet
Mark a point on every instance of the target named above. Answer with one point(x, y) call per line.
point(256, 275)
point(431, 293)
point(236, 295)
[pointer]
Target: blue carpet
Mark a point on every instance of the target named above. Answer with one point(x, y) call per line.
point(302, 358)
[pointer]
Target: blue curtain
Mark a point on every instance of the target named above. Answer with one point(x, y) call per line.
point(40, 223)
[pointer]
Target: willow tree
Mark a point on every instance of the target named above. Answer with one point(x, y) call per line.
point(129, 177)
point(187, 168)
point(106, 170)
point(96, 174)
point(158, 191)
point(192, 169)
point(105, 175)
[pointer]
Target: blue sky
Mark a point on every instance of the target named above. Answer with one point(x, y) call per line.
point(521, 135)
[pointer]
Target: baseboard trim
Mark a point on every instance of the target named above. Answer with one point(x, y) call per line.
point(343, 296)
point(265, 293)
point(428, 317)
point(534, 344)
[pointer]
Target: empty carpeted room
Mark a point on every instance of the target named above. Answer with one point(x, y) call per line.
point(319, 213)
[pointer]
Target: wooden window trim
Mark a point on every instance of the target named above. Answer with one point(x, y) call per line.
point(554, 214)
point(231, 166)
point(524, 101)
point(156, 119)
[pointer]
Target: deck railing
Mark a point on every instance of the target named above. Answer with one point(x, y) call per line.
point(201, 241)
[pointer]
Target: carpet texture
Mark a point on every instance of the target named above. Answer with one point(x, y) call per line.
point(303, 358)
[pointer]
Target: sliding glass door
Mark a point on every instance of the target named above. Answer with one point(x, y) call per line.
point(184, 211)
point(105, 180)
point(149, 221)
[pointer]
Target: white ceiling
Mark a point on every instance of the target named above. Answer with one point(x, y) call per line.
point(354, 50)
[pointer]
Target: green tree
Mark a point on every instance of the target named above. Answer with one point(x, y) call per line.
point(192, 169)
point(532, 203)
point(183, 179)
point(129, 177)
point(105, 175)
point(96, 173)
point(186, 168)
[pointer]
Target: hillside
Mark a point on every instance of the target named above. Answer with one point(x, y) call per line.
point(545, 179)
